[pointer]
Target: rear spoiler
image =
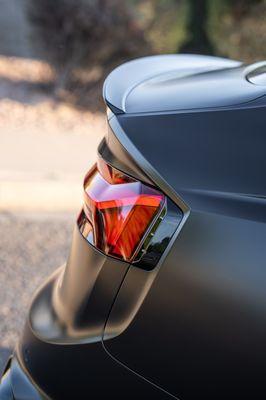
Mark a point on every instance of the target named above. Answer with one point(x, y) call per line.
point(123, 79)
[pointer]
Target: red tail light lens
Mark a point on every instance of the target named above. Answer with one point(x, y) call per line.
point(119, 211)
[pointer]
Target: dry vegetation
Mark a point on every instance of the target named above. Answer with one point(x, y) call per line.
point(241, 33)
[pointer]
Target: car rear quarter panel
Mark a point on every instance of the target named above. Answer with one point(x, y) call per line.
point(200, 331)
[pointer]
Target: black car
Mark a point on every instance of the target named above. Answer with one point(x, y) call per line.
point(164, 291)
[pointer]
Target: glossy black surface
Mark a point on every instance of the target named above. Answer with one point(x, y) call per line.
point(159, 237)
point(156, 240)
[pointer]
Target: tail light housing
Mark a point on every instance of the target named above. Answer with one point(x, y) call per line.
point(121, 216)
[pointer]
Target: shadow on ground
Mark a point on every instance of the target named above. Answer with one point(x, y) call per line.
point(81, 95)
point(23, 91)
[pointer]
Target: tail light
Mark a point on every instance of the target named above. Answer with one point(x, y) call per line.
point(121, 215)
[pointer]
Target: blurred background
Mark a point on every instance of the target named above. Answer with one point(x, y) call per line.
point(54, 56)
point(65, 48)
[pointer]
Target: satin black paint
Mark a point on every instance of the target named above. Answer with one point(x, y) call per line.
point(194, 326)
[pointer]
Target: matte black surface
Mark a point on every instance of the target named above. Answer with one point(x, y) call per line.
point(221, 151)
point(171, 82)
point(196, 324)
point(200, 330)
point(74, 303)
point(81, 372)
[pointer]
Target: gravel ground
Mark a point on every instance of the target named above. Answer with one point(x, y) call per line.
point(31, 247)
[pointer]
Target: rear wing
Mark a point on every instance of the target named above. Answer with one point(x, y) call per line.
point(122, 80)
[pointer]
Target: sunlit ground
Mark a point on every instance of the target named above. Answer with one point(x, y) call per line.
point(47, 144)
